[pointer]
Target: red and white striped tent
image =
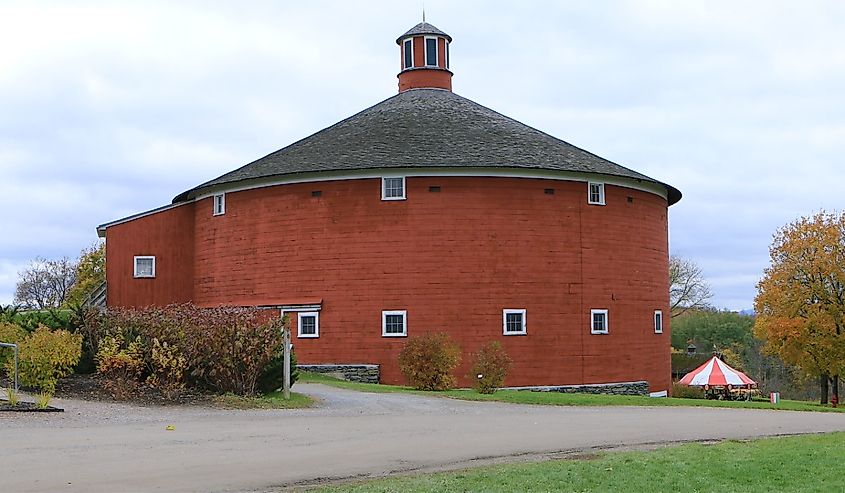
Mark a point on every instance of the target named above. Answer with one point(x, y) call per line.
point(717, 373)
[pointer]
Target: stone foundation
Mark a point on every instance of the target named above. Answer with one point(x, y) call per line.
point(618, 388)
point(352, 373)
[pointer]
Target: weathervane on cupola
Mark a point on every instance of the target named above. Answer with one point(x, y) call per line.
point(424, 52)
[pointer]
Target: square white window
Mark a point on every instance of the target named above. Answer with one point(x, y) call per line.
point(393, 188)
point(219, 204)
point(599, 322)
point(658, 321)
point(308, 325)
point(145, 266)
point(595, 193)
point(394, 323)
point(513, 322)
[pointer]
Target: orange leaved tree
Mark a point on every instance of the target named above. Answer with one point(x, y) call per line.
point(800, 301)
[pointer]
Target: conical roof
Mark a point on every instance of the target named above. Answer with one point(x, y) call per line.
point(425, 128)
point(421, 29)
point(716, 372)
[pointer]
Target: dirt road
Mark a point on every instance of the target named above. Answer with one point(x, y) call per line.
point(114, 447)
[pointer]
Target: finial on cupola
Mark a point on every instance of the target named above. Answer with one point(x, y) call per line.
point(424, 52)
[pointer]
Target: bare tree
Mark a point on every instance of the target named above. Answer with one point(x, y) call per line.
point(687, 287)
point(45, 283)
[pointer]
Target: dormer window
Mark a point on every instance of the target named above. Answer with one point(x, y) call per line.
point(408, 52)
point(430, 52)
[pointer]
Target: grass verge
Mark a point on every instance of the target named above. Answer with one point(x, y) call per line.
point(560, 399)
point(273, 400)
point(796, 464)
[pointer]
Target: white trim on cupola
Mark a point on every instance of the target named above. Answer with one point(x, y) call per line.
point(425, 52)
point(404, 52)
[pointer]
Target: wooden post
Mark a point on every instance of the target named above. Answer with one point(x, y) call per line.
point(286, 343)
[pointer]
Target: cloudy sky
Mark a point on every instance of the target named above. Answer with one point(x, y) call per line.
point(108, 109)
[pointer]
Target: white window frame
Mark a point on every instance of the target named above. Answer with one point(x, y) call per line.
point(658, 321)
point(436, 51)
point(446, 50)
point(593, 314)
point(316, 333)
point(411, 41)
point(385, 313)
point(590, 186)
point(218, 211)
point(519, 311)
point(135, 260)
point(384, 188)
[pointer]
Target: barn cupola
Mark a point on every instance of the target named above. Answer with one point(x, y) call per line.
point(424, 53)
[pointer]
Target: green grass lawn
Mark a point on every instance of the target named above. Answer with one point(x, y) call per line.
point(273, 400)
point(795, 464)
point(560, 399)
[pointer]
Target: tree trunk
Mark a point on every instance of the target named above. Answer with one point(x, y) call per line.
point(835, 382)
point(823, 384)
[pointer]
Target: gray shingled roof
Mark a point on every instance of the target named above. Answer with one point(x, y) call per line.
point(423, 28)
point(426, 128)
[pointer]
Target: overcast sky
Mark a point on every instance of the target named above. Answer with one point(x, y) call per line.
point(108, 109)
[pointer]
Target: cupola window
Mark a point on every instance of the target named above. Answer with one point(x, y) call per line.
point(447, 53)
point(408, 48)
point(431, 52)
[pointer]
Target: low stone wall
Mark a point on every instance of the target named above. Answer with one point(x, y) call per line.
point(618, 388)
point(353, 373)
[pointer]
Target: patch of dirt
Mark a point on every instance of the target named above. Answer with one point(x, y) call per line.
point(90, 388)
point(27, 407)
point(583, 456)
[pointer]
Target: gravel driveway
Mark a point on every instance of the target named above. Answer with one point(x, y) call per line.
point(96, 446)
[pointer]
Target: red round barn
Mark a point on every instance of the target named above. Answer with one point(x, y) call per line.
point(425, 212)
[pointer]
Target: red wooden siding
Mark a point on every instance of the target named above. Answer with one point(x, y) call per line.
point(453, 259)
point(169, 236)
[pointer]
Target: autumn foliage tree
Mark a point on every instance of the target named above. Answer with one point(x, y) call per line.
point(800, 302)
point(90, 273)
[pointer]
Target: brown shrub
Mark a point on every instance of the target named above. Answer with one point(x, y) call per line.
point(687, 392)
point(427, 361)
point(168, 369)
point(120, 366)
point(490, 366)
point(228, 349)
